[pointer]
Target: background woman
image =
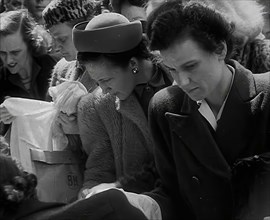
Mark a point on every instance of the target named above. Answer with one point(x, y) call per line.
point(26, 66)
point(60, 16)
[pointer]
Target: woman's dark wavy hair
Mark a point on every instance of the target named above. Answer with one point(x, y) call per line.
point(175, 20)
point(34, 35)
point(141, 51)
point(16, 185)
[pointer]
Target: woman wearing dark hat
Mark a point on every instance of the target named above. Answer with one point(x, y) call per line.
point(118, 144)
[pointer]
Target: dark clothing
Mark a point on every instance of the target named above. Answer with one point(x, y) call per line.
point(29, 208)
point(108, 205)
point(193, 160)
point(160, 79)
point(11, 84)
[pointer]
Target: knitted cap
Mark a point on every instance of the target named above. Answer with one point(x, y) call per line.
point(107, 33)
point(60, 11)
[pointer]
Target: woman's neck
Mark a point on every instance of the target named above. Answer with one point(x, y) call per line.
point(145, 72)
point(26, 71)
point(218, 96)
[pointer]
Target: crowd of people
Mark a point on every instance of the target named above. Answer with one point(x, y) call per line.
point(175, 123)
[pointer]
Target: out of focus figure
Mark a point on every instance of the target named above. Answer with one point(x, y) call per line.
point(266, 15)
point(11, 5)
point(35, 7)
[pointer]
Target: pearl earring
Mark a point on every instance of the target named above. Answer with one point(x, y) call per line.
point(135, 70)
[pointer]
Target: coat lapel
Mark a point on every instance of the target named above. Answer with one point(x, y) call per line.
point(238, 115)
point(194, 131)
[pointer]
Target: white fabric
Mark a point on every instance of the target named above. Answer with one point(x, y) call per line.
point(206, 112)
point(146, 204)
point(30, 129)
point(34, 125)
point(66, 96)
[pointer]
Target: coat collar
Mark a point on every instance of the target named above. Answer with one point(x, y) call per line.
point(195, 133)
point(132, 110)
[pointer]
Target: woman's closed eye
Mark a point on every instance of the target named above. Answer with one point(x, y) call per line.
point(104, 80)
point(61, 39)
point(15, 52)
point(190, 66)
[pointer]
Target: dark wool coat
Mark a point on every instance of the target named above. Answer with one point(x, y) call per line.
point(193, 160)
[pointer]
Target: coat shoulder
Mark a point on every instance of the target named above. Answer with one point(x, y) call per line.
point(167, 99)
point(96, 102)
point(263, 82)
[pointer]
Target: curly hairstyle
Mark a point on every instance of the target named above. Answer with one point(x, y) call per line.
point(16, 185)
point(34, 35)
point(173, 20)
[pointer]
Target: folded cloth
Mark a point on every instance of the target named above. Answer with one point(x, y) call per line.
point(67, 95)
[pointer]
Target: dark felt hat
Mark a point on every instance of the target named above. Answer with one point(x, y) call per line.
point(107, 33)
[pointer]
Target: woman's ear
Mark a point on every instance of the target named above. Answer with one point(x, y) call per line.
point(134, 65)
point(133, 62)
point(221, 51)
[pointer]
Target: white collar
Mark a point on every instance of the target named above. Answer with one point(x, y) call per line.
point(206, 111)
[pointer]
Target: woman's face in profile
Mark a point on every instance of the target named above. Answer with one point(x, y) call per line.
point(14, 52)
point(62, 35)
point(112, 78)
point(196, 71)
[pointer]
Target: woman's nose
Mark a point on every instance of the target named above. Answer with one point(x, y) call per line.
point(182, 79)
point(9, 59)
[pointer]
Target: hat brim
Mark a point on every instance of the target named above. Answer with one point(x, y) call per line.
point(113, 39)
